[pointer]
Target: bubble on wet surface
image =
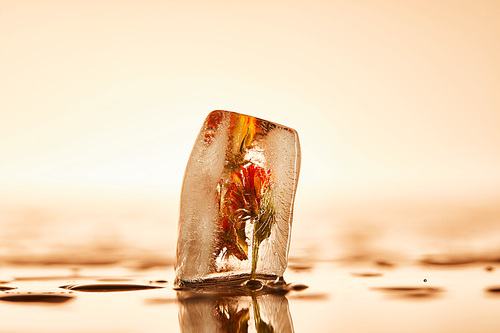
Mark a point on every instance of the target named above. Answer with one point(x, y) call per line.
point(425, 280)
point(108, 287)
point(30, 297)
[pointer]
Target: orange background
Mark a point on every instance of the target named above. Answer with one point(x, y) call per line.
point(396, 104)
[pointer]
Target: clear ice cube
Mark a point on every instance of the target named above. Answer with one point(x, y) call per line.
point(237, 200)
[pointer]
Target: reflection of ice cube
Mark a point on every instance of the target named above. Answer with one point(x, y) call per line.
point(217, 313)
point(237, 199)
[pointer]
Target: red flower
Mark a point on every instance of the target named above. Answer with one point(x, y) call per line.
point(241, 203)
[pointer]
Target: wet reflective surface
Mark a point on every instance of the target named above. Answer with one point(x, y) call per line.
point(327, 297)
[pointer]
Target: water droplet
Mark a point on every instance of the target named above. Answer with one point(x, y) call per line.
point(425, 280)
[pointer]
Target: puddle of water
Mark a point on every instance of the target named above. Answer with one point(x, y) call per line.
point(411, 292)
point(300, 267)
point(111, 287)
point(35, 298)
point(4, 288)
point(329, 298)
point(494, 290)
point(367, 274)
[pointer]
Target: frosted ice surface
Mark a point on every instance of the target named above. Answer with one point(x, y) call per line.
point(237, 199)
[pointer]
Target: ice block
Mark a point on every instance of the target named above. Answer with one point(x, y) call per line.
point(237, 200)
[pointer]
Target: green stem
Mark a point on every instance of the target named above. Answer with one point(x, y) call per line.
point(256, 309)
point(260, 325)
point(255, 254)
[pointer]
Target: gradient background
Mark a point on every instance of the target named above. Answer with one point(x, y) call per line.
point(396, 103)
